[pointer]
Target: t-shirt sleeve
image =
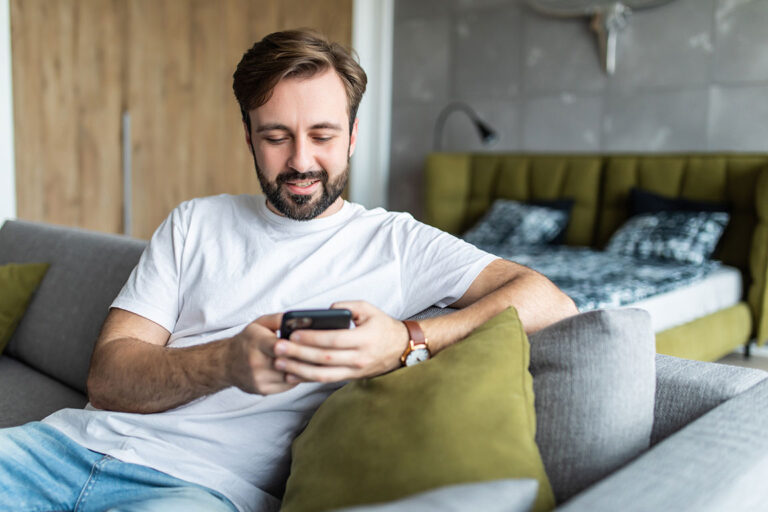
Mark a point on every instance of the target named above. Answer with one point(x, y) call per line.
point(437, 267)
point(152, 289)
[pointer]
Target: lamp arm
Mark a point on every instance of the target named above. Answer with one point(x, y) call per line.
point(443, 116)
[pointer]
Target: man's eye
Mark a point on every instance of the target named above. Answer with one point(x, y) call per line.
point(276, 140)
point(322, 139)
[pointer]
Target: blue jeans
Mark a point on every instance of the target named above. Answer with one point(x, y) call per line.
point(41, 469)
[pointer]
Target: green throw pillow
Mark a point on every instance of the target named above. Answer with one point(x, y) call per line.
point(18, 281)
point(466, 415)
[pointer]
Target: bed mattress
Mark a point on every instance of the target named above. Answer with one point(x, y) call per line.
point(673, 293)
point(719, 289)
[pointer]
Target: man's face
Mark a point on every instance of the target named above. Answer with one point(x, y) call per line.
point(302, 144)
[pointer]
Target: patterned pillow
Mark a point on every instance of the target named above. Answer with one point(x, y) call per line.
point(687, 237)
point(516, 224)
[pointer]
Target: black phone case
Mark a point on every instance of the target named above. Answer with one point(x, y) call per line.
point(314, 319)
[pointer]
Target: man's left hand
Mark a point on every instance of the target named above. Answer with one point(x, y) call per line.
point(373, 347)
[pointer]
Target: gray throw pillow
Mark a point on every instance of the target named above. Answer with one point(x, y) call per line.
point(493, 496)
point(685, 237)
point(594, 381)
point(513, 225)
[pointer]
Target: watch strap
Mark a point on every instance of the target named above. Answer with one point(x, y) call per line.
point(414, 332)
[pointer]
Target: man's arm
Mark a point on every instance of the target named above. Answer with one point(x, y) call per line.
point(375, 346)
point(133, 371)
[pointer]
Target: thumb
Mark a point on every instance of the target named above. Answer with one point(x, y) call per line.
point(361, 310)
point(271, 322)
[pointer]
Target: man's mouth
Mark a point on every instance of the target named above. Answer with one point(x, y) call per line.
point(302, 187)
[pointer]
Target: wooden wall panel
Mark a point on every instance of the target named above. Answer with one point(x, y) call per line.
point(78, 64)
point(67, 83)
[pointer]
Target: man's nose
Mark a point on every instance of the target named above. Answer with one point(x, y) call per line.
point(302, 158)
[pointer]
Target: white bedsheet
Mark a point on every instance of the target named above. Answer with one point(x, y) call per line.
point(722, 288)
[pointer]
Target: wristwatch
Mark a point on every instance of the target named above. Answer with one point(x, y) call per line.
point(418, 347)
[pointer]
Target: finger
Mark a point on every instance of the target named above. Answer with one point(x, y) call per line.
point(360, 309)
point(313, 373)
point(271, 322)
point(331, 339)
point(315, 355)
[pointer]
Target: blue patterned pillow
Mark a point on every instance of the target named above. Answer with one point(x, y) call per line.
point(514, 224)
point(686, 237)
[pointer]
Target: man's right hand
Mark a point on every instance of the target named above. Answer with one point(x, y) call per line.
point(252, 358)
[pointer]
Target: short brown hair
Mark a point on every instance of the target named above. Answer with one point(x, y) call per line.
point(294, 53)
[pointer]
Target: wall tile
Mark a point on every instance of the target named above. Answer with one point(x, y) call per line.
point(411, 138)
point(668, 45)
point(421, 56)
point(503, 116)
point(487, 56)
point(741, 40)
point(738, 118)
point(566, 122)
point(656, 121)
point(407, 9)
point(561, 54)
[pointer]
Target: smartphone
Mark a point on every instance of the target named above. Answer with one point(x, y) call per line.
point(314, 319)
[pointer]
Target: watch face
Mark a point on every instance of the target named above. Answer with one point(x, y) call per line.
point(416, 356)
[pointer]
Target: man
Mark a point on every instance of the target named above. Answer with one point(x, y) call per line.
point(193, 403)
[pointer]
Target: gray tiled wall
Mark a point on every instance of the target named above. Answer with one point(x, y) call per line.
point(691, 75)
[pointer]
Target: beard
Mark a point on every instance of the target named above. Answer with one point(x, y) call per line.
point(302, 206)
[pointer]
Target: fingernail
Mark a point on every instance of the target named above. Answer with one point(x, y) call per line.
point(291, 379)
point(280, 364)
point(295, 337)
point(281, 347)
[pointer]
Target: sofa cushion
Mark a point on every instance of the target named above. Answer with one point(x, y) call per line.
point(644, 201)
point(466, 415)
point(28, 395)
point(63, 320)
point(493, 496)
point(594, 381)
point(18, 281)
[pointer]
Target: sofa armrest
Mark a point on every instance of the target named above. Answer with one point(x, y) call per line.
point(716, 463)
point(685, 390)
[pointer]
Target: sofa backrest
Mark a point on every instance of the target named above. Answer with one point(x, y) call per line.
point(63, 320)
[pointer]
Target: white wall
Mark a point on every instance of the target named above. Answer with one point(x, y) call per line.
point(372, 28)
point(7, 170)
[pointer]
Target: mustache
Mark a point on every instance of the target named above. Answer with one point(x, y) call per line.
point(292, 175)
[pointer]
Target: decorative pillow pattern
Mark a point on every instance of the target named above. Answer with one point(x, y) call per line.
point(517, 224)
point(680, 236)
point(18, 281)
point(466, 415)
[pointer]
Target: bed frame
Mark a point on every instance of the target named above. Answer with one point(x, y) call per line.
point(461, 186)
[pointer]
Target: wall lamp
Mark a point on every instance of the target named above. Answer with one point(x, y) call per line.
point(487, 134)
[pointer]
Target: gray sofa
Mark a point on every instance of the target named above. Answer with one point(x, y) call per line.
point(709, 451)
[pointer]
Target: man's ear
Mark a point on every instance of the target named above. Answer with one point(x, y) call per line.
point(247, 136)
point(353, 138)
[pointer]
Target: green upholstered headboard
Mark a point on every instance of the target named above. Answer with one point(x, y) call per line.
point(461, 186)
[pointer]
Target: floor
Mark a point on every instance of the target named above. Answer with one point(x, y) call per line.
point(757, 359)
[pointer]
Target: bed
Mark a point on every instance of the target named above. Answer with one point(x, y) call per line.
point(702, 310)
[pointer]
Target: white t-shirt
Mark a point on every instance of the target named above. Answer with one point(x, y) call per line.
point(218, 263)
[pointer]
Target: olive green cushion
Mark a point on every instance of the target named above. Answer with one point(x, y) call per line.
point(18, 281)
point(466, 415)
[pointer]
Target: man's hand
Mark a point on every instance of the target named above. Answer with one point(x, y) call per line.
point(373, 347)
point(252, 358)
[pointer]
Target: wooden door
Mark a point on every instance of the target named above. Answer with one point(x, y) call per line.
point(68, 92)
point(168, 65)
